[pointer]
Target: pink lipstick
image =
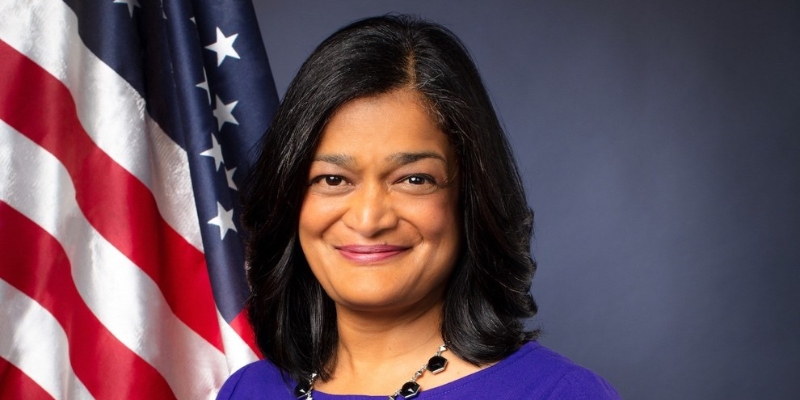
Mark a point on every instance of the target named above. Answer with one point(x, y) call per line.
point(368, 254)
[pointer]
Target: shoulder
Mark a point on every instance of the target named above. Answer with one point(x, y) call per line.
point(257, 380)
point(533, 372)
point(554, 376)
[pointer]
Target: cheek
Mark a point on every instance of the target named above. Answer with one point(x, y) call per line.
point(316, 215)
point(316, 218)
point(436, 217)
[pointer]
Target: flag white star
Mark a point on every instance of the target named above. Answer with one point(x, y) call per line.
point(224, 113)
point(224, 46)
point(229, 175)
point(130, 4)
point(204, 85)
point(214, 152)
point(224, 220)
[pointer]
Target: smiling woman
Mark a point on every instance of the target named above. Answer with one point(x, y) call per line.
point(388, 226)
point(379, 225)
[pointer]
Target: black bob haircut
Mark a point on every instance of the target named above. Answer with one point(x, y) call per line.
point(488, 292)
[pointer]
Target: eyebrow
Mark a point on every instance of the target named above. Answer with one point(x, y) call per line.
point(336, 159)
point(397, 158)
point(408, 158)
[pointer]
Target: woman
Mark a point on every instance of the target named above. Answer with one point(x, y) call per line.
point(389, 227)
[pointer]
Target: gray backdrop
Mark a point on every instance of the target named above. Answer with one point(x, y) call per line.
point(660, 146)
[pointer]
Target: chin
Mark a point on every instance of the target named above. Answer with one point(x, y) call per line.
point(382, 300)
point(365, 301)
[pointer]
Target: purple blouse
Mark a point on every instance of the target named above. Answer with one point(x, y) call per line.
point(532, 372)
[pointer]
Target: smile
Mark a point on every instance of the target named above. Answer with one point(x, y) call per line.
point(367, 254)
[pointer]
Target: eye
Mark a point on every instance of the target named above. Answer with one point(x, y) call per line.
point(417, 184)
point(333, 180)
point(330, 185)
point(420, 180)
point(328, 180)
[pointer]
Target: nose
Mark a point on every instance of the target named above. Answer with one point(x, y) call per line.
point(370, 210)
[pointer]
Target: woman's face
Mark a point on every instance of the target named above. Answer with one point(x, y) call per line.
point(379, 223)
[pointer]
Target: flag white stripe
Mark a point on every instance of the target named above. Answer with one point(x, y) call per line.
point(32, 340)
point(125, 300)
point(237, 351)
point(110, 110)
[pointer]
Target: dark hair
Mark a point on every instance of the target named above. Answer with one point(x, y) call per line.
point(488, 292)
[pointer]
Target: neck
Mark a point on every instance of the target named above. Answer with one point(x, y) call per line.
point(389, 345)
point(381, 337)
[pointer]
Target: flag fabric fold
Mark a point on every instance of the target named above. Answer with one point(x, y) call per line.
point(126, 127)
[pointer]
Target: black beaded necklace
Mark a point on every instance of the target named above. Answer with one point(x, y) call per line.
point(410, 389)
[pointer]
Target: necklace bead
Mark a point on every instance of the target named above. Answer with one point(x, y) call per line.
point(410, 390)
point(437, 364)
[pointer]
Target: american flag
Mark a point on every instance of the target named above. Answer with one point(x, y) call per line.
point(126, 127)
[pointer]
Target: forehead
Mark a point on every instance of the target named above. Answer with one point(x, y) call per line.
point(397, 121)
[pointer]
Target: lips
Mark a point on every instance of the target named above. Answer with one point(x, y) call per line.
point(368, 254)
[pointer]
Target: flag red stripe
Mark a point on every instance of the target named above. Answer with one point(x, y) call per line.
point(107, 368)
point(17, 385)
point(117, 204)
